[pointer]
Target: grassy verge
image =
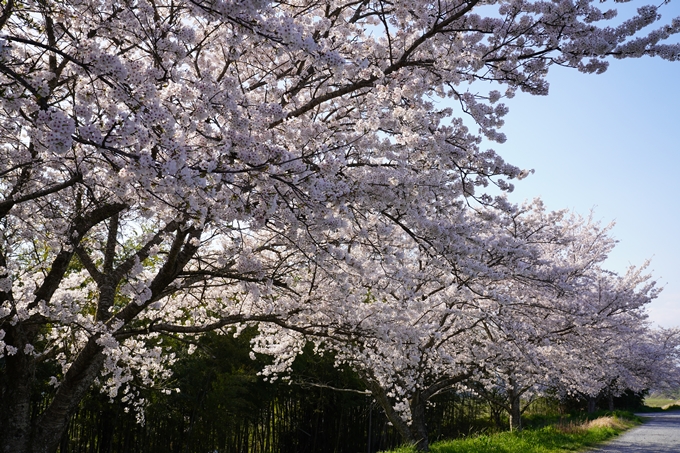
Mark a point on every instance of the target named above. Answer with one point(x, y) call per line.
point(558, 437)
point(658, 404)
point(668, 407)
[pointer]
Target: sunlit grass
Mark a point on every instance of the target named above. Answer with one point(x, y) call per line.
point(556, 438)
point(659, 402)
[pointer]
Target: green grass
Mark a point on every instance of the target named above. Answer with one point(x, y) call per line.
point(559, 437)
point(671, 407)
point(659, 402)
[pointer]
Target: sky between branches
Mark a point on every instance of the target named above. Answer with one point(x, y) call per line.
point(610, 143)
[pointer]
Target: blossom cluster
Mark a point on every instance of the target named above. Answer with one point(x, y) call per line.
point(312, 166)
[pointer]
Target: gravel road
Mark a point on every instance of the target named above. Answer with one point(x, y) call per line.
point(659, 434)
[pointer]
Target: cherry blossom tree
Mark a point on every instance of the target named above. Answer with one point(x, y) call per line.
point(554, 336)
point(176, 166)
point(650, 362)
point(516, 317)
point(408, 326)
point(627, 356)
point(582, 348)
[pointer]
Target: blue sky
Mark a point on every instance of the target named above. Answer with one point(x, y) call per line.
point(610, 143)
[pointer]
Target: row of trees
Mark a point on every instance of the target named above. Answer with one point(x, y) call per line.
point(531, 313)
point(172, 167)
point(224, 406)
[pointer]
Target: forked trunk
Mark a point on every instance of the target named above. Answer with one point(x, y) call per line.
point(413, 434)
point(21, 431)
point(496, 415)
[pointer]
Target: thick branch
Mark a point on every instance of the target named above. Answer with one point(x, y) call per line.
point(61, 262)
point(7, 205)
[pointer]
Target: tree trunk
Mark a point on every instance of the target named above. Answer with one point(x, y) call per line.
point(496, 415)
point(515, 412)
point(515, 400)
point(15, 395)
point(53, 422)
point(19, 433)
point(418, 426)
point(591, 404)
point(610, 400)
point(399, 424)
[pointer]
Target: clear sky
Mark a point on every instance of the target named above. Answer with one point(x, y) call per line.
point(610, 143)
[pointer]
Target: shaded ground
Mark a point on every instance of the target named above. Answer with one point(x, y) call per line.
point(659, 434)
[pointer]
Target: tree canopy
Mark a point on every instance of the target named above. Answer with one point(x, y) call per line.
point(171, 167)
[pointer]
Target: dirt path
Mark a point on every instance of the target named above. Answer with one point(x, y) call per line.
point(659, 434)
